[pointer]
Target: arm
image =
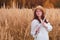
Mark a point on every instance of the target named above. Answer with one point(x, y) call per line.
point(48, 26)
point(34, 26)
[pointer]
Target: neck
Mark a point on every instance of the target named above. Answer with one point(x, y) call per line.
point(39, 18)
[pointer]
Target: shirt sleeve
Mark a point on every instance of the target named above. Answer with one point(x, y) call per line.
point(34, 25)
point(49, 27)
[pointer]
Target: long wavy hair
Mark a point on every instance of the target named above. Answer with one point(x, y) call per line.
point(42, 16)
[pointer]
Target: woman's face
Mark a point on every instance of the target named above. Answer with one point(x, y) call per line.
point(38, 12)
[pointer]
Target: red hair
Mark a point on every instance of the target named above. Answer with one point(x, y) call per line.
point(42, 17)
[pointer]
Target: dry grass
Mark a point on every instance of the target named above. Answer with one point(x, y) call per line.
point(15, 23)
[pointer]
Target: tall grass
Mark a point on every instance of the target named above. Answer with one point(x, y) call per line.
point(15, 23)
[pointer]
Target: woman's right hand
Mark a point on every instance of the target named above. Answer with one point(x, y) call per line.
point(37, 30)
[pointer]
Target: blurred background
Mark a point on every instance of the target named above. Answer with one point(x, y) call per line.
point(16, 17)
point(30, 3)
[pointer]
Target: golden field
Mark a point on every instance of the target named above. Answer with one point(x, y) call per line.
point(15, 23)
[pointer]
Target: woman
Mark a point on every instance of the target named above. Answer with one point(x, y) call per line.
point(40, 26)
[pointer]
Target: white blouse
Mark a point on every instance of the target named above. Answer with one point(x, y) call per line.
point(43, 32)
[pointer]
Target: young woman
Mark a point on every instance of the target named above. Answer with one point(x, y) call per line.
point(40, 26)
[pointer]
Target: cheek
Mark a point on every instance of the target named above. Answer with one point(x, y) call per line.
point(38, 13)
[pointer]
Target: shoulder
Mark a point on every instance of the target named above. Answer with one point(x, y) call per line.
point(46, 20)
point(35, 21)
